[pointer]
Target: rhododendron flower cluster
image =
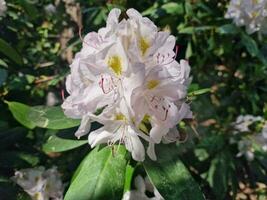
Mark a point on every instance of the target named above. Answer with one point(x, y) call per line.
point(127, 71)
point(40, 184)
point(249, 13)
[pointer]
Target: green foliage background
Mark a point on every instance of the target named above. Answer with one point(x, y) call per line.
point(36, 48)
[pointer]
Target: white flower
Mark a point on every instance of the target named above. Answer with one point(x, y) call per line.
point(3, 8)
point(128, 70)
point(142, 185)
point(51, 99)
point(50, 9)
point(245, 149)
point(118, 128)
point(39, 183)
point(261, 138)
point(243, 122)
point(249, 13)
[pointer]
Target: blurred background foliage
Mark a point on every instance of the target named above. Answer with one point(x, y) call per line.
point(38, 39)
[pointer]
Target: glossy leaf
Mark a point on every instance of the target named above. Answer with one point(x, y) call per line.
point(101, 175)
point(51, 117)
point(21, 113)
point(41, 116)
point(170, 176)
point(58, 144)
point(250, 45)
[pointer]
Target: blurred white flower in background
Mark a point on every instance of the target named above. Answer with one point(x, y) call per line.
point(39, 183)
point(142, 186)
point(50, 9)
point(249, 13)
point(51, 99)
point(246, 138)
point(243, 122)
point(245, 149)
point(3, 8)
point(261, 138)
point(128, 70)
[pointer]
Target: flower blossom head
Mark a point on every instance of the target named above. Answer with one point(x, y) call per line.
point(129, 72)
point(39, 183)
point(249, 13)
point(3, 8)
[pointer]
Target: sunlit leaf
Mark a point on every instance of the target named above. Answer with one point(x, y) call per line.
point(41, 116)
point(101, 175)
point(57, 144)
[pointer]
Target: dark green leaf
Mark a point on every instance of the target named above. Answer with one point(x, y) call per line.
point(10, 52)
point(170, 176)
point(219, 174)
point(250, 45)
point(227, 29)
point(100, 176)
point(3, 76)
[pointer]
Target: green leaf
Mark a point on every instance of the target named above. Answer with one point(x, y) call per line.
point(221, 165)
point(3, 76)
point(189, 9)
point(186, 30)
point(227, 29)
point(173, 8)
point(128, 178)
point(11, 53)
point(250, 45)
point(3, 63)
point(51, 117)
point(21, 113)
point(100, 176)
point(57, 144)
point(189, 51)
point(30, 9)
point(170, 176)
point(199, 92)
point(191, 29)
point(41, 116)
point(17, 159)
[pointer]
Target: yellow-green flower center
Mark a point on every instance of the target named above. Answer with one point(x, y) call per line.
point(114, 62)
point(120, 117)
point(143, 45)
point(152, 84)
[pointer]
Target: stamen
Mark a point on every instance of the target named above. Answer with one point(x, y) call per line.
point(156, 102)
point(110, 85)
point(166, 57)
point(63, 95)
point(175, 56)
